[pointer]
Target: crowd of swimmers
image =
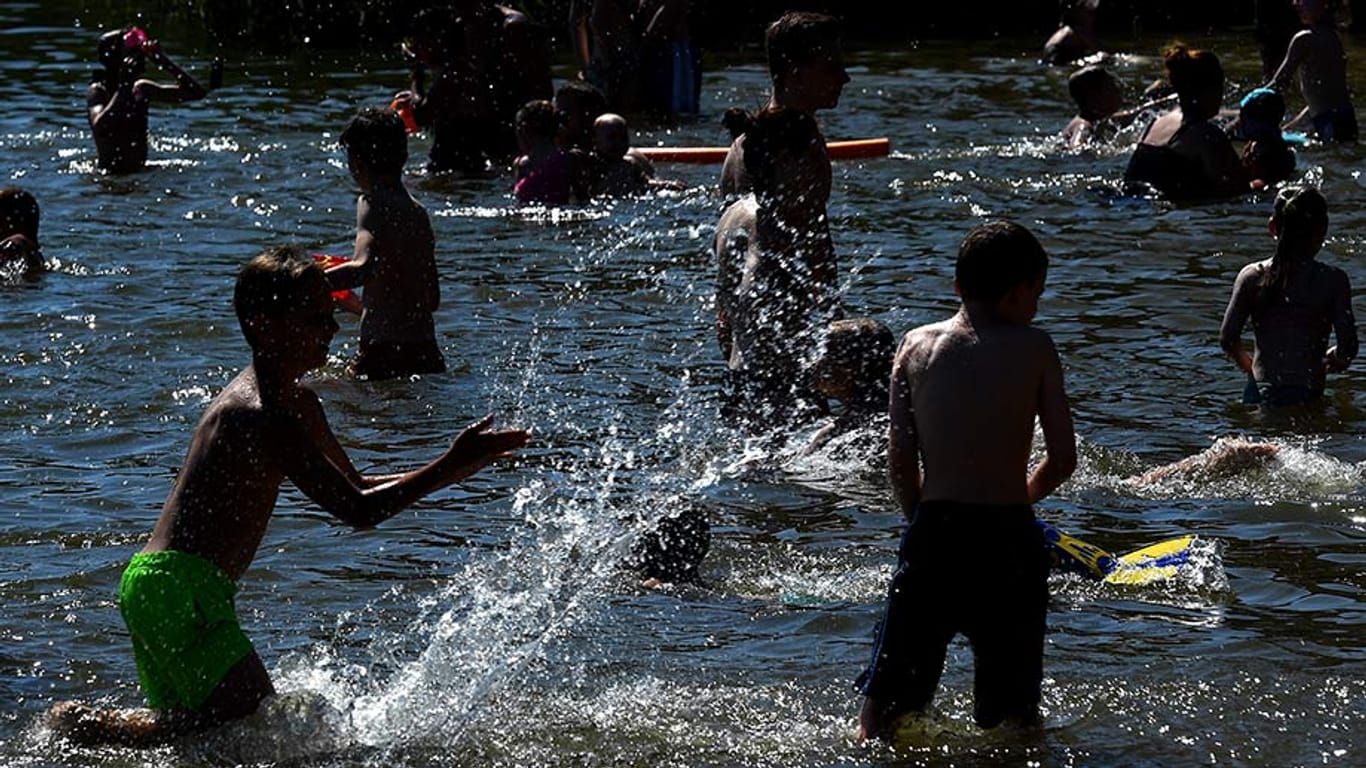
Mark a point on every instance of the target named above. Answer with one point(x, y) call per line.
point(959, 398)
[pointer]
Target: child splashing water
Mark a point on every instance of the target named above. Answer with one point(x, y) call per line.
point(177, 596)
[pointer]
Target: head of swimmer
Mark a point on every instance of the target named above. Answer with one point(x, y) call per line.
point(1096, 92)
point(376, 144)
point(806, 61)
point(1299, 221)
point(1001, 268)
point(538, 122)
point(1198, 79)
point(855, 364)
point(611, 139)
point(121, 53)
point(787, 164)
point(284, 307)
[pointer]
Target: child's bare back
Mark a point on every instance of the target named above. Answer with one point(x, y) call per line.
point(973, 453)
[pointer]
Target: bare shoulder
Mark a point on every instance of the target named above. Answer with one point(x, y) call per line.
point(919, 343)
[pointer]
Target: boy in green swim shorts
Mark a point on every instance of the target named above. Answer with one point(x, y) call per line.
point(196, 666)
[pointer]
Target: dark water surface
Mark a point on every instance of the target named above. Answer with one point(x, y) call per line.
point(491, 626)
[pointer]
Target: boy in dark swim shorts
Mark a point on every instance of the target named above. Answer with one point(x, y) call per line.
point(196, 666)
point(965, 393)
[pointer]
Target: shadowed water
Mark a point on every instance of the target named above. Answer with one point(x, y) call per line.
point(492, 625)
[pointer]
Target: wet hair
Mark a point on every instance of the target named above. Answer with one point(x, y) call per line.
point(580, 102)
point(1301, 218)
point(797, 38)
point(581, 96)
point(864, 347)
point(19, 213)
point(279, 280)
point(776, 135)
point(994, 258)
point(1192, 73)
point(1085, 84)
point(736, 121)
point(540, 118)
point(673, 549)
point(378, 138)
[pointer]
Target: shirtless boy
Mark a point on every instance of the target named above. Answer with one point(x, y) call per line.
point(394, 258)
point(117, 103)
point(1293, 301)
point(965, 393)
point(1317, 57)
point(806, 63)
point(196, 666)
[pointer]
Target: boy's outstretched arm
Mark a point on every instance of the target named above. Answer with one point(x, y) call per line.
point(1055, 418)
point(310, 467)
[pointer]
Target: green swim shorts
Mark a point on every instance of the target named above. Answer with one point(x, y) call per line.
point(179, 609)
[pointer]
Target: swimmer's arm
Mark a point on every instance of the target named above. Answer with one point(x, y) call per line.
point(903, 446)
point(356, 272)
point(1299, 121)
point(313, 471)
point(1295, 55)
point(186, 87)
point(1344, 329)
point(1235, 317)
point(668, 16)
point(1055, 418)
point(729, 185)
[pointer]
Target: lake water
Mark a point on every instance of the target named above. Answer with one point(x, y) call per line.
point(492, 625)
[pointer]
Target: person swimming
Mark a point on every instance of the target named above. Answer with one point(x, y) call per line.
point(1183, 154)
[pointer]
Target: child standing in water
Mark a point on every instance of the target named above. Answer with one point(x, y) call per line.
point(1316, 55)
point(964, 396)
point(196, 666)
point(545, 172)
point(1293, 301)
point(394, 260)
point(117, 102)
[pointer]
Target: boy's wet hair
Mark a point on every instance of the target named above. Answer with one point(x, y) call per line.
point(776, 135)
point(797, 38)
point(279, 280)
point(1086, 82)
point(863, 346)
point(19, 213)
point(540, 118)
point(378, 138)
point(673, 549)
point(994, 258)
